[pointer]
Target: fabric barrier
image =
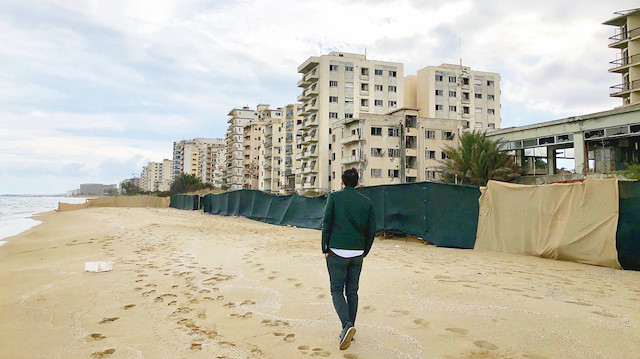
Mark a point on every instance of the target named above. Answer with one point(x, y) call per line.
point(443, 214)
point(574, 221)
point(628, 234)
point(183, 201)
point(117, 201)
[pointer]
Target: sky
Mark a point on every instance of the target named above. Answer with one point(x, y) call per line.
point(90, 91)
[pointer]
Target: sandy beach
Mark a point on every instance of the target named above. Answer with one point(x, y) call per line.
point(193, 285)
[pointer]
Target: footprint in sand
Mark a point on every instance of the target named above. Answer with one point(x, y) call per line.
point(368, 309)
point(321, 296)
point(289, 338)
point(533, 356)
point(146, 294)
point(128, 306)
point(229, 305)
point(173, 302)
point(460, 331)
point(271, 277)
point(298, 285)
point(108, 320)
point(291, 279)
point(350, 356)
point(103, 354)
point(196, 346)
point(485, 345)
point(247, 302)
point(95, 336)
point(397, 313)
point(421, 323)
point(320, 352)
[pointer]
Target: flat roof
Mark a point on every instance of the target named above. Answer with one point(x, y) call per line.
point(621, 19)
point(615, 111)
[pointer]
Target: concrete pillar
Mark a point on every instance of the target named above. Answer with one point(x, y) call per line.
point(580, 153)
point(551, 160)
point(520, 157)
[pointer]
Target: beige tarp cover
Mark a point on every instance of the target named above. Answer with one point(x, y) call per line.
point(568, 221)
point(118, 201)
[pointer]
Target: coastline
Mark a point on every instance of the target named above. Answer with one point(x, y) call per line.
point(189, 284)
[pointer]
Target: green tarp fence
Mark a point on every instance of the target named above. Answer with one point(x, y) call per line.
point(183, 201)
point(628, 233)
point(443, 214)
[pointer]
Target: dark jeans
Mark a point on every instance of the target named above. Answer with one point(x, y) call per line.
point(344, 275)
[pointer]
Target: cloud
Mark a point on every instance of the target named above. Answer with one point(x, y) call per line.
point(102, 86)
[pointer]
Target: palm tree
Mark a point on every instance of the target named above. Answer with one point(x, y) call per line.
point(186, 183)
point(477, 160)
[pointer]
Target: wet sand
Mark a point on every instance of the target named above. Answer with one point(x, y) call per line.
point(193, 285)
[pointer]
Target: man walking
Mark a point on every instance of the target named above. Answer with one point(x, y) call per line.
point(348, 229)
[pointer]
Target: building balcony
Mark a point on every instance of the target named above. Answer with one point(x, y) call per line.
point(350, 139)
point(303, 83)
point(312, 76)
point(302, 97)
point(364, 77)
point(350, 159)
point(308, 170)
point(411, 172)
point(311, 92)
point(621, 40)
point(309, 108)
point(311, 122)
point(308, 185)
point(267, 153)
point(622, 64)
point(309, 139)
point(309, 154)
point(267, 142)
point(266, 165)
point(622, 90)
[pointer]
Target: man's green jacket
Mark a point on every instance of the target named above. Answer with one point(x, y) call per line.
point(349, 221)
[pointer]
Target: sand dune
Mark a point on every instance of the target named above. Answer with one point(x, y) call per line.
point(192, 285)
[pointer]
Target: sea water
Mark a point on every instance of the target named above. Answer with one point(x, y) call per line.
point(16, 211)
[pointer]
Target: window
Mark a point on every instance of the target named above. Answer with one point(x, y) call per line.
point(378, 87)
point(348, 68)
point(491, 111)
point(394, 173)
point(452, 79)
point(491, 126)
point(452, 94)
point(478, 110)
point(378, 72)
point(378, 102)
point(465, 80)
point(489, 82)
point(376, 172)
point(393, 74)
point(348, 100)
point(364, 87)
point(444, 156)
point(376, 152)
point(333, 99)
point(364, 102)
point(447, 135)
point(392, 89)
point(430, 154)
point(364, 71)
point(490, 97)
point(411, 121)
point(333, 138)
point(393, 103)
point(333, 67)
point(353, 152)
point(348, 115)
point(452, 108)
point(478, 95)
point(376, 131)
point(477, 82)
point(439, 92)
point(438, 107)
point(333, 83)
point(439, 78)
point(333, 156)
point(430, 134)
point(465, 95)
point(430, 175)
point(333, 115)
point(465, 110)
point(394, 152)
point(393, 131)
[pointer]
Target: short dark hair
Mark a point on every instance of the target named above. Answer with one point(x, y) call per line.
point(350, 177)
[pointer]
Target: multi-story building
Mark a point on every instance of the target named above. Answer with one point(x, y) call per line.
point(627, 64)
point(397, 147)
point(157, 176)
point(253, 135)
point(336, 87)
point(455, 92)
point(213, 160)
point(97, 189)
point(234, 165)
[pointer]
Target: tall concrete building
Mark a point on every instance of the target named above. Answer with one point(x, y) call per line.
point(336, 87)
point(627, 64)
point(157, 176)
point(457, 93)
point(214, 160)
point(197, 157)
point(253, 138)
point(398, 147)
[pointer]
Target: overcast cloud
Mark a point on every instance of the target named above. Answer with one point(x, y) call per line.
point(92, 90)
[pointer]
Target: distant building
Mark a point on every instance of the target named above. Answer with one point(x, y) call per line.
point(335, 87)
point(455, 92)
point(398, 147)
point(133, 180)
point(200, 157)
point(156, 176)
point(627, 63)
point(234, 150)
point(96, 189)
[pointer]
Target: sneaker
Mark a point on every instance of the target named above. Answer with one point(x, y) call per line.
point(346, 336)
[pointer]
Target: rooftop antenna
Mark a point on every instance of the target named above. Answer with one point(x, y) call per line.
point(365, 53)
